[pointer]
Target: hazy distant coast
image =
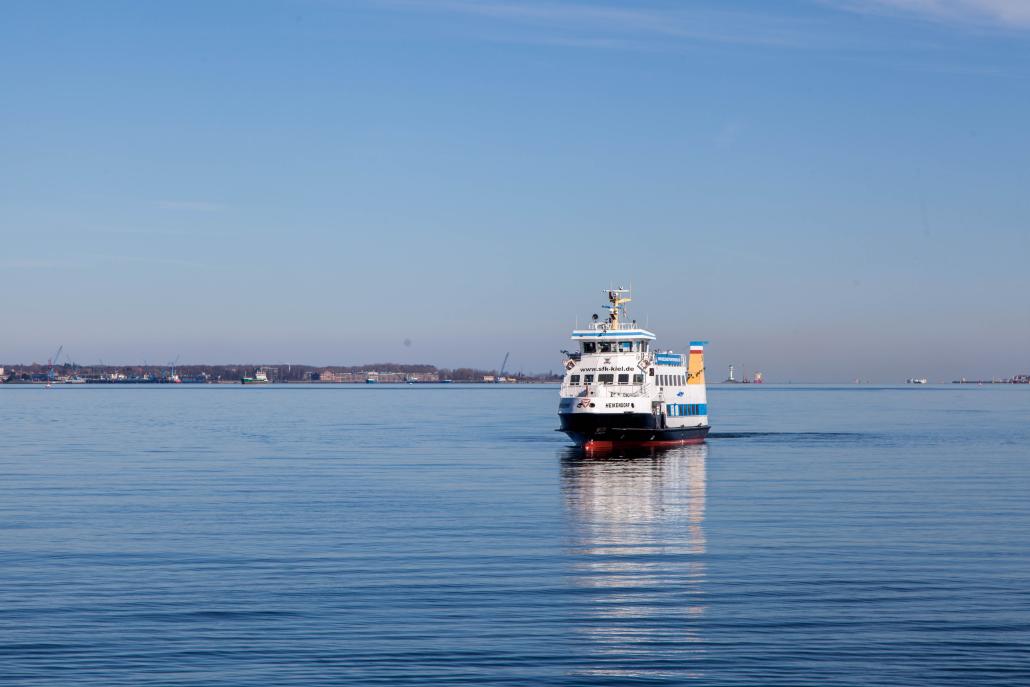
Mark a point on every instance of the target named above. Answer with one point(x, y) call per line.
point(385, 373)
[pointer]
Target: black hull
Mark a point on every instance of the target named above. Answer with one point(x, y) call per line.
point(587, 429)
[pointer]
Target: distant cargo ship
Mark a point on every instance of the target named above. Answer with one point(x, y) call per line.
point(260, 377)
point(617, 390)
point(915, 380)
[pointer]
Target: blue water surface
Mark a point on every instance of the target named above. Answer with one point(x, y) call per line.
point(420, 535)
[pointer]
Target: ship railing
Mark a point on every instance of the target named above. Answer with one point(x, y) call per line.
point(606, 326)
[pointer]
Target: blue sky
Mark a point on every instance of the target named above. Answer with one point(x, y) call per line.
point(823, 189)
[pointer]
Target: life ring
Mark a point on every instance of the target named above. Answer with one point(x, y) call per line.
point(570, 364)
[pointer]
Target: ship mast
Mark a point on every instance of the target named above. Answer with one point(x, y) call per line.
point(617, 302)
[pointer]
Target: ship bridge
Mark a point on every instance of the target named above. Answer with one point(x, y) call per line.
point(621, 339)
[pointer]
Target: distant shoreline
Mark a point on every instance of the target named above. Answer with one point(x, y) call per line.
point(173, 373)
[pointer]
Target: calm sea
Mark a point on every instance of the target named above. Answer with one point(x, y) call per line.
point(207, 535)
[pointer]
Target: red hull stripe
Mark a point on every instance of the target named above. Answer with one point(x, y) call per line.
point(614, 444)
point(696, 352)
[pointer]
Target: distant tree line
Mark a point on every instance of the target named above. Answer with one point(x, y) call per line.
point(233, 372)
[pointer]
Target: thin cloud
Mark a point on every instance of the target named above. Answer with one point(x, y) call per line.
point(195, 205)
point(150, 260)
point(35, 264)
point(92, 261)
point(580, 24)
point(1013, 14)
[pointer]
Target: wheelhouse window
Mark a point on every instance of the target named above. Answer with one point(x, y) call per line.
point(574, 380)
point(623, 379)
point(606, 347)
point(589, 347)
point(625, 346)
point(605, 379)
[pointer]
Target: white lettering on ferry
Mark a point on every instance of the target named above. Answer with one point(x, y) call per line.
point(618, 405)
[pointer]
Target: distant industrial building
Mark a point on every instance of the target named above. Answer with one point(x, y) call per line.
point(330, 376)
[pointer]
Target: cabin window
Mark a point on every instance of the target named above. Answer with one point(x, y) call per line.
point(589, 347)
point(574, 380)
point(638, 379)
point(688, 409)
point(651, 372)
point(625, 346)
point(588, 379)
point(623, 379)
point(605, 379)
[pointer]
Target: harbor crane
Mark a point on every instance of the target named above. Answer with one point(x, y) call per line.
point(171, 370)
point(500, 375)
point(51, 374)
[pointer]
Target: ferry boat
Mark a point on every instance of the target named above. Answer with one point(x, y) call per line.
point(619, 389)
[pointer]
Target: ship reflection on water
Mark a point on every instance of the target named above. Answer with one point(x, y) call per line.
point(637, 544)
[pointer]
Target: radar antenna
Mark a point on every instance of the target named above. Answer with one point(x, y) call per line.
point(617, 306)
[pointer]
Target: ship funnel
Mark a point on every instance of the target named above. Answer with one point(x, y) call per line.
point(696, 363)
